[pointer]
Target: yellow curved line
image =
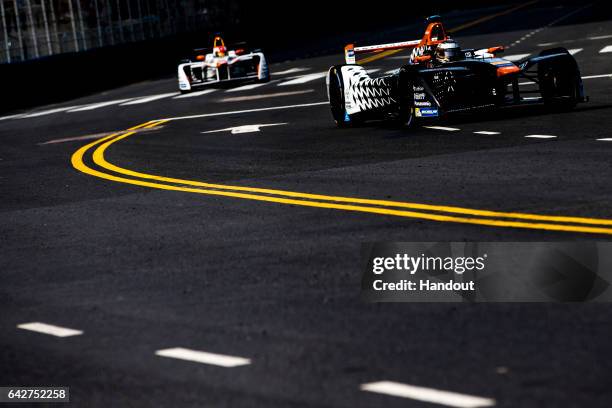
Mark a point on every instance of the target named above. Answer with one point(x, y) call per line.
point(77, 162)
point(99, 159)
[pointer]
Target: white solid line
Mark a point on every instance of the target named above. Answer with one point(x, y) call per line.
point(290, 71)
point(150, 98)
point(12, 116)
point(607, 48)
point(49, 111)
point(78, 138)
point(486, 132)
point(372, 70)
point(448, 398)
point(246, 87)
point(98, 105)
point(263, 96)
point(584, 77)
point(541, 136)
point(574, 51)
point(304, 79)
point(203, 357)
point(93, 136)
point(515, 57)
point(600, 37)
point(207, 115)
point(49, 329)
point(597, 76)
point(547, 44)
point(193, 94)
point(605, 139)
point(449, 129)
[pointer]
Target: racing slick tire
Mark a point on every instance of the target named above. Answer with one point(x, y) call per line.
point(335, 93)
point(560, 82)
point(405, 116)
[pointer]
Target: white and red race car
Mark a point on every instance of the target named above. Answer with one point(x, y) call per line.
point(221, 66)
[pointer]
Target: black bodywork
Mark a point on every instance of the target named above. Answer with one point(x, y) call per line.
point(434, 91)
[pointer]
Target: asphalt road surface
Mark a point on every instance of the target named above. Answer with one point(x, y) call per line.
point(196, 271)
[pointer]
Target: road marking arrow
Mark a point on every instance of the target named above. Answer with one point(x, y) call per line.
point(245, 128)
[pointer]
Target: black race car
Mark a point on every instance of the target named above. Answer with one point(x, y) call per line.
point(441, 79)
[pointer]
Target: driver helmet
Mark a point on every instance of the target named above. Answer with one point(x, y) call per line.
point(220, 51)
point(448, 51)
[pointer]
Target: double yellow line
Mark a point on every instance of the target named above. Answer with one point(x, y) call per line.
point(430, 212)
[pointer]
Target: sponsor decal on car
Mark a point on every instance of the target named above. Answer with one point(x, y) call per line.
point(422, 103)
point(426, 112)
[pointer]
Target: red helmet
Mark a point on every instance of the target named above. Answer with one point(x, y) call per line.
point(220, 51)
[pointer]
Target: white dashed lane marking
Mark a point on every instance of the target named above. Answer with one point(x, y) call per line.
point(605, 139)
point(150, 98)
point(271, 95)
point(486, 132)
point(246, 87)
point(448, 398)
point(203, 357)
point(597, 76)
point(541, 136)
point(304, 79)
point(194, 94)
point(98, 105)
point(448, 129)
point(237, 112)
point(290, 71)
point(49, 329)
point(574, 51)
point(606, 49)
point(515, 57)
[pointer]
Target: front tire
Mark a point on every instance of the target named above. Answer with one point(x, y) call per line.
point(405, 114)
point(560, 85)
point(335, 92)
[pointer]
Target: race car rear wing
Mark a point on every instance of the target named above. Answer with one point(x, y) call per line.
point(434, 34)
point(350, 50)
